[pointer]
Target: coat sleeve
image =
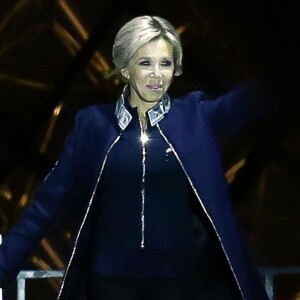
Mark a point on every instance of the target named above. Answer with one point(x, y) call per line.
point(49, 199)
point(232, 111)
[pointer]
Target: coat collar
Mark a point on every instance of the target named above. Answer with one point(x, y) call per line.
point(155, 114)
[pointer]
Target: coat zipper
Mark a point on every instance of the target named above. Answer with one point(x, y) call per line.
point(202, 205)
point(144, 139)
point(87, 212)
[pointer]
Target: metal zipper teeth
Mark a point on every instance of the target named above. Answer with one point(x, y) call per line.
point(52, 169)
point(143, 196)
point(203, 207)
point(86, 214)
point(142, 246)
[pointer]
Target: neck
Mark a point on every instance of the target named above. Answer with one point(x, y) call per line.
point(142, 108)
point(143, 119)
point(141, 105)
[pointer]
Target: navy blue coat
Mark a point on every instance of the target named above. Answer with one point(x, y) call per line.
point(191, 127)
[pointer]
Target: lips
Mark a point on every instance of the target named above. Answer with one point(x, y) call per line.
point(154, 87)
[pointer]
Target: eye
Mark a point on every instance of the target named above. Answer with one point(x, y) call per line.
point(167, 63)
point(144, 63)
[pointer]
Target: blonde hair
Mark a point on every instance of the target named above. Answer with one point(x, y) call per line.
point(139, 31)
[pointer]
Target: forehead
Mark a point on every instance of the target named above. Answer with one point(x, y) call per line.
point(155, 48)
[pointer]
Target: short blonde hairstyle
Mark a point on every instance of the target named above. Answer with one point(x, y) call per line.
point(140, 31)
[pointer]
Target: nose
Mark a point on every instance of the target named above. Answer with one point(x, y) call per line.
point(156, 75)
point(157, 71)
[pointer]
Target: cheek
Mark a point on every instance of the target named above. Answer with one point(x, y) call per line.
point(138, 76)
point(168, 73)
point(169, 77)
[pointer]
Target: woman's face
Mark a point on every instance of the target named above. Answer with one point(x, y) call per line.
point(150, 71)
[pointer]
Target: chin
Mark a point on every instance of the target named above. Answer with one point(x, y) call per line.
point(153, 99)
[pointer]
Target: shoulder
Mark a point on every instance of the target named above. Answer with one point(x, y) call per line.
point(96, 113)
point(190, 98)
point(189, 101)
point(96, 110)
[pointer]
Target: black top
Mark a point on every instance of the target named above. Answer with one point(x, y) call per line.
point(176, 241)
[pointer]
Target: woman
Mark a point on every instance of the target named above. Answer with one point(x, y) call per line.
point(157, 221)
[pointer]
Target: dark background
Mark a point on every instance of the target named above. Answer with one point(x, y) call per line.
point(53, 59)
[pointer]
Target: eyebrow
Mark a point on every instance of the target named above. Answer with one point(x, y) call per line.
point(148, 57)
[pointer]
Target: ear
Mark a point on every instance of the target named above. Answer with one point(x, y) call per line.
point(125, 73)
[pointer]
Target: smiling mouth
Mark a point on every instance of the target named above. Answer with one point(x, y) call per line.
point(154, 87)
